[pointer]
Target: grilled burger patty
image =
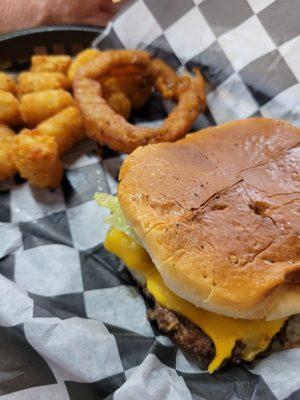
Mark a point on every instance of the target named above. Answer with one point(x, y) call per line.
point(188, 336)
point(193, 340)
point(183, 332)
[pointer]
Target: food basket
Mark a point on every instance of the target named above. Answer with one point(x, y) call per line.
point(73, 324)
point(16, 48)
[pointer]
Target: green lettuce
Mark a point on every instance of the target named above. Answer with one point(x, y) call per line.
point(116, 219)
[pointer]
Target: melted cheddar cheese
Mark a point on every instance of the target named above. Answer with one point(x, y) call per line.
point(224, 331)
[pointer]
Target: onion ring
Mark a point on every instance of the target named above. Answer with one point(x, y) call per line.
point(136, 88)
point(108, 128)
point(166, 78)
point(124, 89)
point(120, 103)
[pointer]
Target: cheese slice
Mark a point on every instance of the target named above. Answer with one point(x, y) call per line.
point(223, 331)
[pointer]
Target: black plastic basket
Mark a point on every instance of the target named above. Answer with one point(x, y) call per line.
point(16, 48)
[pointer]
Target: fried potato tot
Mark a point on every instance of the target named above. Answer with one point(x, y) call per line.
point(120, 103)
point(37, 159)
point(38, 106)
point(50, 63)
point(7, 83)
point(82, 58)
point(7, 166)
point(6, 133)
point(66, 128)
point(29, 82)
point(9, 109)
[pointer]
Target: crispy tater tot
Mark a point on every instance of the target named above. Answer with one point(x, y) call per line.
point(38, 106)
point(82, 58)
point(29, 82)
point(50, 63)
point(66, 128)
point(7, 83)
point(6, 133)
point(9, 109)
point(7, 166)
point(37, 159)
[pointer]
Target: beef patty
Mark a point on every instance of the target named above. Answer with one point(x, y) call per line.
point(183, 332)
point(188, 336)
point(194, 341)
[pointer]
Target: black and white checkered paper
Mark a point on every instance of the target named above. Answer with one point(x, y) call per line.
point(72, 323)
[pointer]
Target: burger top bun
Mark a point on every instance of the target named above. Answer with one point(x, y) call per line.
point(219, 214)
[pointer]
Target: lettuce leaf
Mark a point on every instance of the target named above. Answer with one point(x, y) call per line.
point(116, 219)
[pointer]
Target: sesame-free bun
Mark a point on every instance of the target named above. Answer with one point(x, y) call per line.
point(219, 214)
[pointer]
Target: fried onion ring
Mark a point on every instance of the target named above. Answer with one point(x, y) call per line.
point(165, 78)
point(120, 103)
point(136, 88)
point(124, 89)
point(111, 129)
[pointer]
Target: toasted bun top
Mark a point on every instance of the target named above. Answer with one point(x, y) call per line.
point(219, 213)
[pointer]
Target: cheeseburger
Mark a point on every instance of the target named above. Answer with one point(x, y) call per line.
point(209, 227)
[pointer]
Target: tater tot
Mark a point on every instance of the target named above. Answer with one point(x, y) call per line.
point(29, 82)
point(6, 133)
point(65, 127)
point(7, 83)
point(37, 159)
point(9, 109)
point(82, 58)
point(7, 166)
point(50, 63)
point(38, 106)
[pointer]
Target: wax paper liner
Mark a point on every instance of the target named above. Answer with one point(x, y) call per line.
point(72, 323)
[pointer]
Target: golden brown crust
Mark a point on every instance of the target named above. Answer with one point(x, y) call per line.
point(9, 109)
point(37, 159)
point(7, 83)
point(50, 63)
point(81, 58)
point(7, 166)
point(219, 214)
point(65, 128)
point(36, 107)
point(166, 78)
point(29, 82)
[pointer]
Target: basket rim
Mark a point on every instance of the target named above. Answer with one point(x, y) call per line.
point(50, 28)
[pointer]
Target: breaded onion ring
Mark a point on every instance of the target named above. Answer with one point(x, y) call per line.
point(136, 88)
point(120, 103)
point(111, 129)
point(165, 78)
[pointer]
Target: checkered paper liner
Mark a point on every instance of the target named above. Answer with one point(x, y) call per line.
point(72, 323)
